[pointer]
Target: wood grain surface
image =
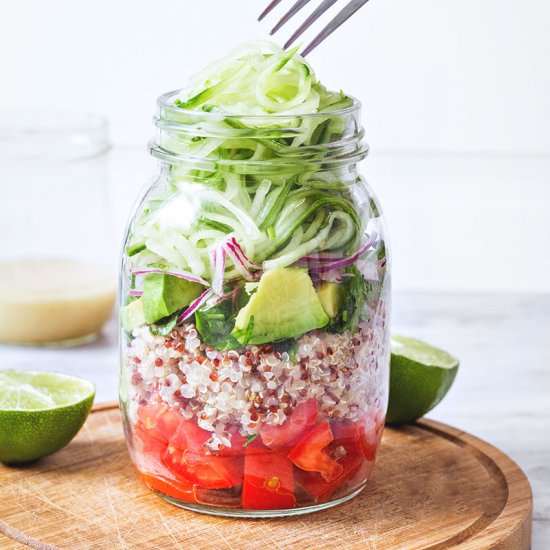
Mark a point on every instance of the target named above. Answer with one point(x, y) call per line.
point(433, 487)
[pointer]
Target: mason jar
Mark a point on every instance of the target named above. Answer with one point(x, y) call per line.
point(254, 312)
point(58, 265)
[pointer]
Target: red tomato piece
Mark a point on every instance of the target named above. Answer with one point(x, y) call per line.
point(237, 446)
point(310, 453)
point(363, 435)
point(190, 436)
point(159, 421)
point(268, 480)
point(181, 489)
point(209, 471)
point(149, 443)
point(286, 434)
point(187, 456)
point(321, 489)
point(371, 434)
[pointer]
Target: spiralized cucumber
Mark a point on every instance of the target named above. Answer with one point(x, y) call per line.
point(250, 177)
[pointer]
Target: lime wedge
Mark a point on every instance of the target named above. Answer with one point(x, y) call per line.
point(40, 412)
point(420, 376)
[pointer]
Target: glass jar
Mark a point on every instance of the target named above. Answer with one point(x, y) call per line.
point(58, 258)
point(255, 298)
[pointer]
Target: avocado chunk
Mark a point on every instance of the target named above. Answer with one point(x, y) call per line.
point(285, 305)
point(164, 294)
point(331, 296)
point(131, 315)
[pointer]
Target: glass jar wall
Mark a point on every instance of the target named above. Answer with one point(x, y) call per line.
point(58, 258)
point(255, 298)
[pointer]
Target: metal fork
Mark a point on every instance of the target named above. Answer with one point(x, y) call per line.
point(340, 18)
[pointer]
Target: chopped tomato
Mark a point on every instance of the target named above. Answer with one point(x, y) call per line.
point(187, 456)
point(180, 489)
point(158, 422)
point(321, 489)
point(310, 453)
point(286, 434)
point(363, 435)
point(190, 436)
point(371, 434)
point(268, 480)
point(237, 446)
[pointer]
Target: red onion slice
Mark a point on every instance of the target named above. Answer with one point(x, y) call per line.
point(222, 298)
point(238, 262)
point(246, 261)
point(194, 306)
point(175, 273)
point(323, 267)
point(135, 292)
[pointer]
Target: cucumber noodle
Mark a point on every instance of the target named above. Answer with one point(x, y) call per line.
point(259, 107)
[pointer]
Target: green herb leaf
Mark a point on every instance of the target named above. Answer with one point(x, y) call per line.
point(250, 440)
point(164, 326)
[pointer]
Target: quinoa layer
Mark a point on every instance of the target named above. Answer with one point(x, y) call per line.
point(239, 390)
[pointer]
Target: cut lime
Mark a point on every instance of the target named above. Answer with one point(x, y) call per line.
point(420, 376)
point(40, 412)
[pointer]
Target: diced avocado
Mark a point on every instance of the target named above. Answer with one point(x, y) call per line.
point(131, 316)
point(285, 305)
point(331, 296)
point(164, 294)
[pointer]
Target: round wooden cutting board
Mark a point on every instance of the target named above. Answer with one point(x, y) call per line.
point(433, 487)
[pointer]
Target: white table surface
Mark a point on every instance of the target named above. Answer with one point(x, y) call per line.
point(501, 394)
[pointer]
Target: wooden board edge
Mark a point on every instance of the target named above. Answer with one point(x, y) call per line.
point(106, 406)
point(514, 523)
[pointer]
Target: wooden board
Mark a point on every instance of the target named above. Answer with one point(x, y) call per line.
point(433, 487)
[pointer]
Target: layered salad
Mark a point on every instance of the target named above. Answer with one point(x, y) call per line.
point(255, 294)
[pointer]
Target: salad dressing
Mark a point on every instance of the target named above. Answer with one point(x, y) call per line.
point(53, 301)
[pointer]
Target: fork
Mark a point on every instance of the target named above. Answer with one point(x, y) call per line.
point(344, 14)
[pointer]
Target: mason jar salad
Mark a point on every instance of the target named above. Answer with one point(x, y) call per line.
point(255, 295)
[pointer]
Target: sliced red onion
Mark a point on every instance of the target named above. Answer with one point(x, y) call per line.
point(238, 262)
point(344, 262)
point(135, 292)
point(246, 261)
point(175, 273)
point(194, 306)
point(321, 259)
point(223, 297)
point(217, 259)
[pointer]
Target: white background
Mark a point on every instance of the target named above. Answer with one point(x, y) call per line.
point(456, 98)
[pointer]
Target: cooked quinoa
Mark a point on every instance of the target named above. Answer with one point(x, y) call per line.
point(228, 390)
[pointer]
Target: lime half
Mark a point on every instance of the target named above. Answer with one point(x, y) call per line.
point(420, 376)
point(40, 412)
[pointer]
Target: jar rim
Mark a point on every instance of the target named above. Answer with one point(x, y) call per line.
point(177, 128)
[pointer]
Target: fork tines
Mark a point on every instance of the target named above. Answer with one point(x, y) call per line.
point(340, 18)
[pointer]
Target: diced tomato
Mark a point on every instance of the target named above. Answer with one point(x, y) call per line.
point(180, 489)
point(286, 434)
point(190, 436)
point(268, 480)
point(237, 446)
point(310, 453)
point(210, 471)
point(159, 421)
point(188, 457)
point(321, 489)
point(149, 443)
point(371, 434)
point(363, 435)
